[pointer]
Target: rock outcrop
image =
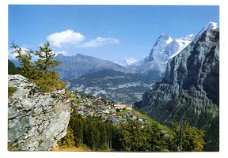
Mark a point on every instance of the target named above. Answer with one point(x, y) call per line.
point(190, 89)
point(36, 120)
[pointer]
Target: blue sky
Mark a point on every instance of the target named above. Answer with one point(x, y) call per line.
point(107, 32)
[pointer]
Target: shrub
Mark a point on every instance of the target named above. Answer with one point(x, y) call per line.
point(11, 90)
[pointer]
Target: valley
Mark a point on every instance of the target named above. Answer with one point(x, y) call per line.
point(116, 86)
point(122, 84)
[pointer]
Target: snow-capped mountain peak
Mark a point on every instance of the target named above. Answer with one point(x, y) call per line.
point(126, 62)
point(169, 40)
point(130, 61)
point(166, 48)
point(165, 38)
point(182, 42)
point(209, 26)
point(189, 37)
point(212, 26)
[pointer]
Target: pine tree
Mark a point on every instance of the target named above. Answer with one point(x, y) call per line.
point(27, 67)
point(42, 70)
point(46, 62)
point(68, 140)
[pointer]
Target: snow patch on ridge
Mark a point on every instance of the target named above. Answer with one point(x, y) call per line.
point(169, 40)
point(212, 25)
point(126, 62)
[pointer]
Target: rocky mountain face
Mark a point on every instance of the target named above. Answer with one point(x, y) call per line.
point(75, 66)
point(190, 89)
point(164, 49)
point(36, 120)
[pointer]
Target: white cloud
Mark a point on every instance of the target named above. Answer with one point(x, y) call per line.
point(68, 39)
point(99, 41)
point(65, 37)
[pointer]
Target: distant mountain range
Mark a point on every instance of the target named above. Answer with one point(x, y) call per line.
point(164, 49)
point(123, 80)
point(75, 66)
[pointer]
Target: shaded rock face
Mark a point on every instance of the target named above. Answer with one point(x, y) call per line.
point(36, 121)
point(198, 66)
point(190, 89)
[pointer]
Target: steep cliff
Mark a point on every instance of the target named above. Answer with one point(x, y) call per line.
point(36, 120)
point(190, 89)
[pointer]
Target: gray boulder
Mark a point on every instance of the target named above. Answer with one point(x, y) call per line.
point(36, 120)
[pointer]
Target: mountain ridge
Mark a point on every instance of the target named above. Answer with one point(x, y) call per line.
point(75, 66)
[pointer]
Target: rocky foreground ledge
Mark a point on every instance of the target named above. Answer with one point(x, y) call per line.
point(36, 120)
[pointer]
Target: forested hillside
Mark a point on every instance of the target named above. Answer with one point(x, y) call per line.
point(99, 135)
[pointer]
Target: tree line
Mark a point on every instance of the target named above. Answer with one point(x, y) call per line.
point(101, 135)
